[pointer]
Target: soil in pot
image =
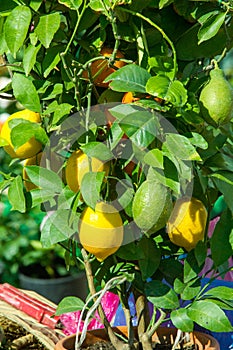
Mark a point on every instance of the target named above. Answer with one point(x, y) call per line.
point(15, 337)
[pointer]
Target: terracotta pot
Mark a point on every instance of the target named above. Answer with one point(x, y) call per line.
point(204, 341)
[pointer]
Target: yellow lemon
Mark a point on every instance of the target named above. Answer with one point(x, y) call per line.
point(78, 165)
point(30, 147)
point(101, 230)
point(186, 225)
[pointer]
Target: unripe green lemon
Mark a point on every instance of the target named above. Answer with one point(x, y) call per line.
point(216, 99)
point(186, 225)
point(151, 206)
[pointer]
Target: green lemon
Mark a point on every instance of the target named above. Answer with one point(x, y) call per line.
point(216, 99)
point(152, 205)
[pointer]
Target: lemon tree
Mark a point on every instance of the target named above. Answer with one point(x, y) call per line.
point(135, 99)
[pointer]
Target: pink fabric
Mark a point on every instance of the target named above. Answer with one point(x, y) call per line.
point(70, 320)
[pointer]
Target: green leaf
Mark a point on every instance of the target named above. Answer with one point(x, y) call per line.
point(162, 65)
point(150, 263)
point(197, 140)
point(211, 26)
point(220, 240)
point(190, 290)
point(223, 180)
point(69, 304)
point(23, 130)
point(172, 91)
point(16, 195)
point(161, 295)
point(163, 3)
point(91, 186)
point(130, 251)
point(35, 4)
point(47, 27)
point(209, 316)
point(16, 27)
point(186, 152)
point(125, 192)
point(220, 292)
point(129, 78)
point(56, 228)
point(72, 4)
point(140, 127)
point(52, 58)
point(25, 92)
point(29, 58)
point(97, 150)
point(154, 158)
point(60, 111)
point(181, 320)
point(191, 268)
point(45, 179)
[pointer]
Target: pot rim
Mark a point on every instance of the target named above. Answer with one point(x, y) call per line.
point(97, 334)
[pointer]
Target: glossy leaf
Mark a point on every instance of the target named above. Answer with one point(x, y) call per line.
point(221, 292)
point(181, 320)
point(25, 92)
point(140, 127)
point(161, 295)
point(56, 228)
point(150, 263)
point(29, 58)
point(52, 58)
point(129, 78)
point(172, 91)
point(47, 27)
point(190, 290)
point(16, 27)
point(210, 316)
point(16, 195)
point(211, 26)
point(45, 179)
point(186, 152)
point(220, 240)
point(90, 187)
point(69, 304)
point(191, 268)
point(223, 180)
point(97, 150)
point(154, 158)
point(23, 130)
point(61, 110)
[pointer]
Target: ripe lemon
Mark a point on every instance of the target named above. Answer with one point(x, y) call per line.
point(216, 99)
point(100, 69)
point(78, 165)
point(55, 164)
point(186, 225)
point(29, 148)
point(151, 206)
point(101, 231)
